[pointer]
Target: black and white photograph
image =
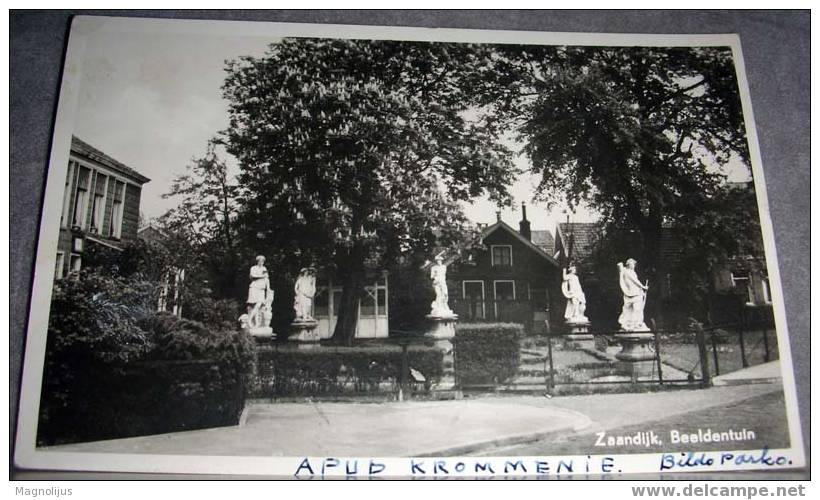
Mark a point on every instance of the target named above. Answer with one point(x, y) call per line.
point(324, 251)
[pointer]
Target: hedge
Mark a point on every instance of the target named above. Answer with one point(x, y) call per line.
point(109, 401)
point(487, 353)
point(114, 368)
point(287, 371)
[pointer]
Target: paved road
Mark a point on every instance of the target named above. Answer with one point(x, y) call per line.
point(759, 407)
point(475, 425)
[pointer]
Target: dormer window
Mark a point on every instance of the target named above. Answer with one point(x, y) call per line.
point(501, 255)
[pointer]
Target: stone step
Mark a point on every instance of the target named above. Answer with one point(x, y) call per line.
point(524, 372)
point(523, 389)
point(527, 380)
point(533, 361)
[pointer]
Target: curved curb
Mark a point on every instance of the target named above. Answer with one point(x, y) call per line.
point(583, 422)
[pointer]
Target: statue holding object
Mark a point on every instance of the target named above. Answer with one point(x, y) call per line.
point(304, 290)
point(631, 318)
point(440, 306)
point(576, 300)
point(260, 299)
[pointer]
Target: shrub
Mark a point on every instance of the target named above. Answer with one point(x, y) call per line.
point(99, 315)
point(324, 370)
point(181, 339)
point(487, 353)
point(115, 368)
point(221, 313)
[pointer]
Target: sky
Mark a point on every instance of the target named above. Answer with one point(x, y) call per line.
point(153, 102)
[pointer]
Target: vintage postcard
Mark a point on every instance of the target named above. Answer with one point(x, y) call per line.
point(325, 250)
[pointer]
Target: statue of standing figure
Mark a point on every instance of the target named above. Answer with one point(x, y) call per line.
point(440, 306)
point(304, 291)
point(260, 297)
point(631, 318)
point(576, 300)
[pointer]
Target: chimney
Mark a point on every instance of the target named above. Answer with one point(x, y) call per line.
point(524, 225)
point(498, 215)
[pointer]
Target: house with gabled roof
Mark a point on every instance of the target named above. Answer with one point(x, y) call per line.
point(511, 277)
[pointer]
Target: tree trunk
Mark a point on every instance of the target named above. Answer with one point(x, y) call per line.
point(654, 269)
point(352, 285)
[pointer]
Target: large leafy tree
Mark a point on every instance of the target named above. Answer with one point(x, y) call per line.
point(356, 152)
point(642, 134)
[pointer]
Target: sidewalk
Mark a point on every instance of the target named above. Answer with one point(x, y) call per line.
point(360, 429)
point(765, 373)
point(418, 428)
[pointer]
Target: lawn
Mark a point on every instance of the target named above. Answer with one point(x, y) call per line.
point(684, 355)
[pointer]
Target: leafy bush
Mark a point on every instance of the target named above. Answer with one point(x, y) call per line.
point(222, 313)
point(487, 353)
point(99, 316)
point(115, 368)
point(323, 370)
point(181, 339)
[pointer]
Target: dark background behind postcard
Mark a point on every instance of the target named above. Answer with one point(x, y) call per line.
point(775, 48)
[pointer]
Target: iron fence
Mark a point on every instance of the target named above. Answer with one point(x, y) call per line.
point(691, 356)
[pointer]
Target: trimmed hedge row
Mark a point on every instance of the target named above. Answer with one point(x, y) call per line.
point(487, 353)
point(107, 401)
point(286, 371)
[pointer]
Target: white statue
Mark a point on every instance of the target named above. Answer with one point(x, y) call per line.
point(260, 297)
point(304, 291)
point(576, 300)
point(440, 306)
point(631, 318)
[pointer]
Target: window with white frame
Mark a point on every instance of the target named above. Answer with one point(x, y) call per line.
point(473, 293)
point(767, 292)
point(75, 262)
point(98, 203)
point(742, 283)
point(58, 266)
point(504, 291)
point(81, 197)
point(115, 228)
point(501, 255)
point(374, 302)
point(64, 215)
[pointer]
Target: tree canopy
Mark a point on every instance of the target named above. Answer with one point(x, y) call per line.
point(641, 134)
point(356, 151)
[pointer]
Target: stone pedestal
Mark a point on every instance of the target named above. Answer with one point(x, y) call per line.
point(304, 332)
point(637, 356)
point(579, 338)
point(262, 334)
point(443, 329)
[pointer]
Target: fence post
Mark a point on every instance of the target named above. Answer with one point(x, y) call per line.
point(704, 356)
point(766, 353)
point(658, 356)
point(740, 335)
point(405, 371)
point(551, 385)
point(714, 352)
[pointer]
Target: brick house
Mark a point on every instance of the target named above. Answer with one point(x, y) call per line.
point(513, 277)
point(101, 205)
